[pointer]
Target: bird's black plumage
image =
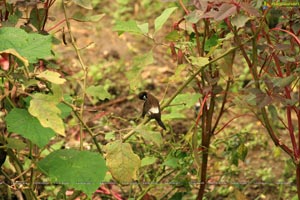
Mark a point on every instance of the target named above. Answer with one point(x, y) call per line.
point(151, 108)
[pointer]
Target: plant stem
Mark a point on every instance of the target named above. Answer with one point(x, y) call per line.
point(85, 126)
point(83, 67)
point(206, 136)
point(222, 106)
point(298, 179)
point(29, 194)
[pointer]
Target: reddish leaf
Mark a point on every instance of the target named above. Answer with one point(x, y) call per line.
point(249, 9)
point(226, 10)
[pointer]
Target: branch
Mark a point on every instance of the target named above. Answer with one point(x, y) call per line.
point(83, 67)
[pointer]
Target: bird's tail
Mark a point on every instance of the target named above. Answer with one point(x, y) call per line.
point(161, 124)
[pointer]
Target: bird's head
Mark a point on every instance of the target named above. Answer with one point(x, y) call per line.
point(143, 96)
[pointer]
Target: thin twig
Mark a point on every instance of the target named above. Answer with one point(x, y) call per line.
point(83, 67)
point(75, 111)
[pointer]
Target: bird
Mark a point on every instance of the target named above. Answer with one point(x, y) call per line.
point(151, 108)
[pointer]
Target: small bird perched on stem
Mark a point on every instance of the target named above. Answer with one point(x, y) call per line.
point(151, 108)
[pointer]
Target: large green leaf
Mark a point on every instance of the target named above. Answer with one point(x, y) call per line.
point(32, 46)
point(44, 107)
point(161, 20)
point(129, 26)
point(122, 162)
point(82, 170)
point(21, 122)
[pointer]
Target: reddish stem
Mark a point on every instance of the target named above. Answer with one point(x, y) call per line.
point(288, 32)
point(201, 109)
point(289, 107)
point(183, 7)
point(227, 123)
point(298, 179)
point(56, 25)
point(298, 117)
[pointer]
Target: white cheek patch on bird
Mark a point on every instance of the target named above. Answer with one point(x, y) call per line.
point(153, 110)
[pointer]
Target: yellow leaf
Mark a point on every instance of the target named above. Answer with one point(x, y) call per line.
point(44, 108)
point(15, 53)
point(122, 162)
point(51, 76)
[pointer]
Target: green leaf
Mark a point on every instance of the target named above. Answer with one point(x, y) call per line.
point(199, 61)
point(181, 102)
point(51, 76)
point(79, 16)
point(87, 4)
point(122, 162)
point(110, 136)
point(98, 92)
point(194, 16)
point(82, 170)
point(14, 143)
point(239, 20)
point(173, 36)
point(64, 109)
point(211, 42)
point(187, 100)
point(32, 46)
point(151, 136)
point(160, 20)
point(127, 26)
point(234, 158)
point(177, 77)
point(57, 93)
point(37, 17)
point(148, 160)
point(282, 82)
point(144, 27)
point(21, 122)
point(44, 108)
point(171, 161)
point(13, 19)
point(272, 110)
